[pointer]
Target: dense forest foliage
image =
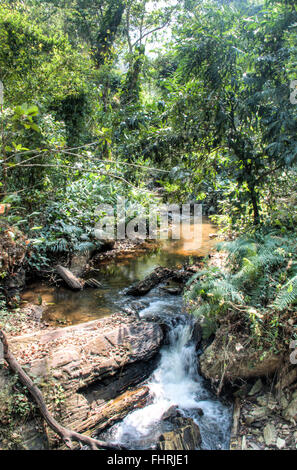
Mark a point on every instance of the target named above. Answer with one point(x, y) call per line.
point(119, 97)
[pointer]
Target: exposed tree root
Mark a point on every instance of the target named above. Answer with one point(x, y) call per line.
point(66, 435)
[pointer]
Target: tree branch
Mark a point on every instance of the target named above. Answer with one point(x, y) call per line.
point(150, 32)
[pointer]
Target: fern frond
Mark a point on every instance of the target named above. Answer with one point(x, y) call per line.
point(58, 246)
point(287, 296)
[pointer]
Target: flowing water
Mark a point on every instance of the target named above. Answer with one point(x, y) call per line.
point(176, 380)
point(68, 307)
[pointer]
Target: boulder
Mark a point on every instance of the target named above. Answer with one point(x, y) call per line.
point(186, 436)
point(269, 433)
point(79, 355)
point(93, 365)
point(171, 414)
point(197, 334)
point(237, 363)
point(290, 412)
point(258, 413)
point(256, 388)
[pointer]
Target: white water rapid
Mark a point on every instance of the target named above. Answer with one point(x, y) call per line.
point(175, 382)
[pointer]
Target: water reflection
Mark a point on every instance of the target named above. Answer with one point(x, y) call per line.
point(67, 307)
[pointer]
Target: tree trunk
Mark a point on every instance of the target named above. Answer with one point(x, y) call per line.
point(254, 200)
point(72, 281)
point(131, 89)
point(108, 30)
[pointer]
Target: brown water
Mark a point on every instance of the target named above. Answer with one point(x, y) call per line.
point(64, 306)
point(175, 381)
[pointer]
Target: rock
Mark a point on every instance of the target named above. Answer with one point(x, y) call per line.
point(197, 334)
point(171, 414)
point(82, 354)
point(280, 443)
point(257, 414)
point(269, 434)
point(159, 275)
point(283, 401)
point(37, 312)
point(186, 436)
point(267, 400)
point(94, 364)
point(290, 412)
point(256, 388)
point(138, 305)
point(243, 364)
point(287, 379)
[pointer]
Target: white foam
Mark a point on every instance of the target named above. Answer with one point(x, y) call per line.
point(176, 382)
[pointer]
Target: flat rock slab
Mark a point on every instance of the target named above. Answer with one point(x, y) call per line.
point(96, 364)
point(77, 356)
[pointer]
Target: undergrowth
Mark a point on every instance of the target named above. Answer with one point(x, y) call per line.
point(258, 284)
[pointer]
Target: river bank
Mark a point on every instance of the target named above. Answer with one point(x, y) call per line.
point(259, 376)
point(138, 399)
point(160, 306)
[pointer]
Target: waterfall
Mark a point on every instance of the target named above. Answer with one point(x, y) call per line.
point(175, 382)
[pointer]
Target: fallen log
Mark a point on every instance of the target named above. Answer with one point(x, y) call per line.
point(92, 283)
point(159, 275)
point(72, 281)
point(66, 435)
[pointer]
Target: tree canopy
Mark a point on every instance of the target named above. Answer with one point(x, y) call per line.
point(190, 96)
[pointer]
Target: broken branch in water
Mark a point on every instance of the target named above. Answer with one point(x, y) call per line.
point(66, 435)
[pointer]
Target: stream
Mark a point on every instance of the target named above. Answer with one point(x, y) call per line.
point(175, 381)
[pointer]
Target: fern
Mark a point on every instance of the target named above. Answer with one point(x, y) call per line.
point(239, 249)
point(256, 267)
point(202, 310)
point(227, 291)
point(58, 246)
point(287, 296)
